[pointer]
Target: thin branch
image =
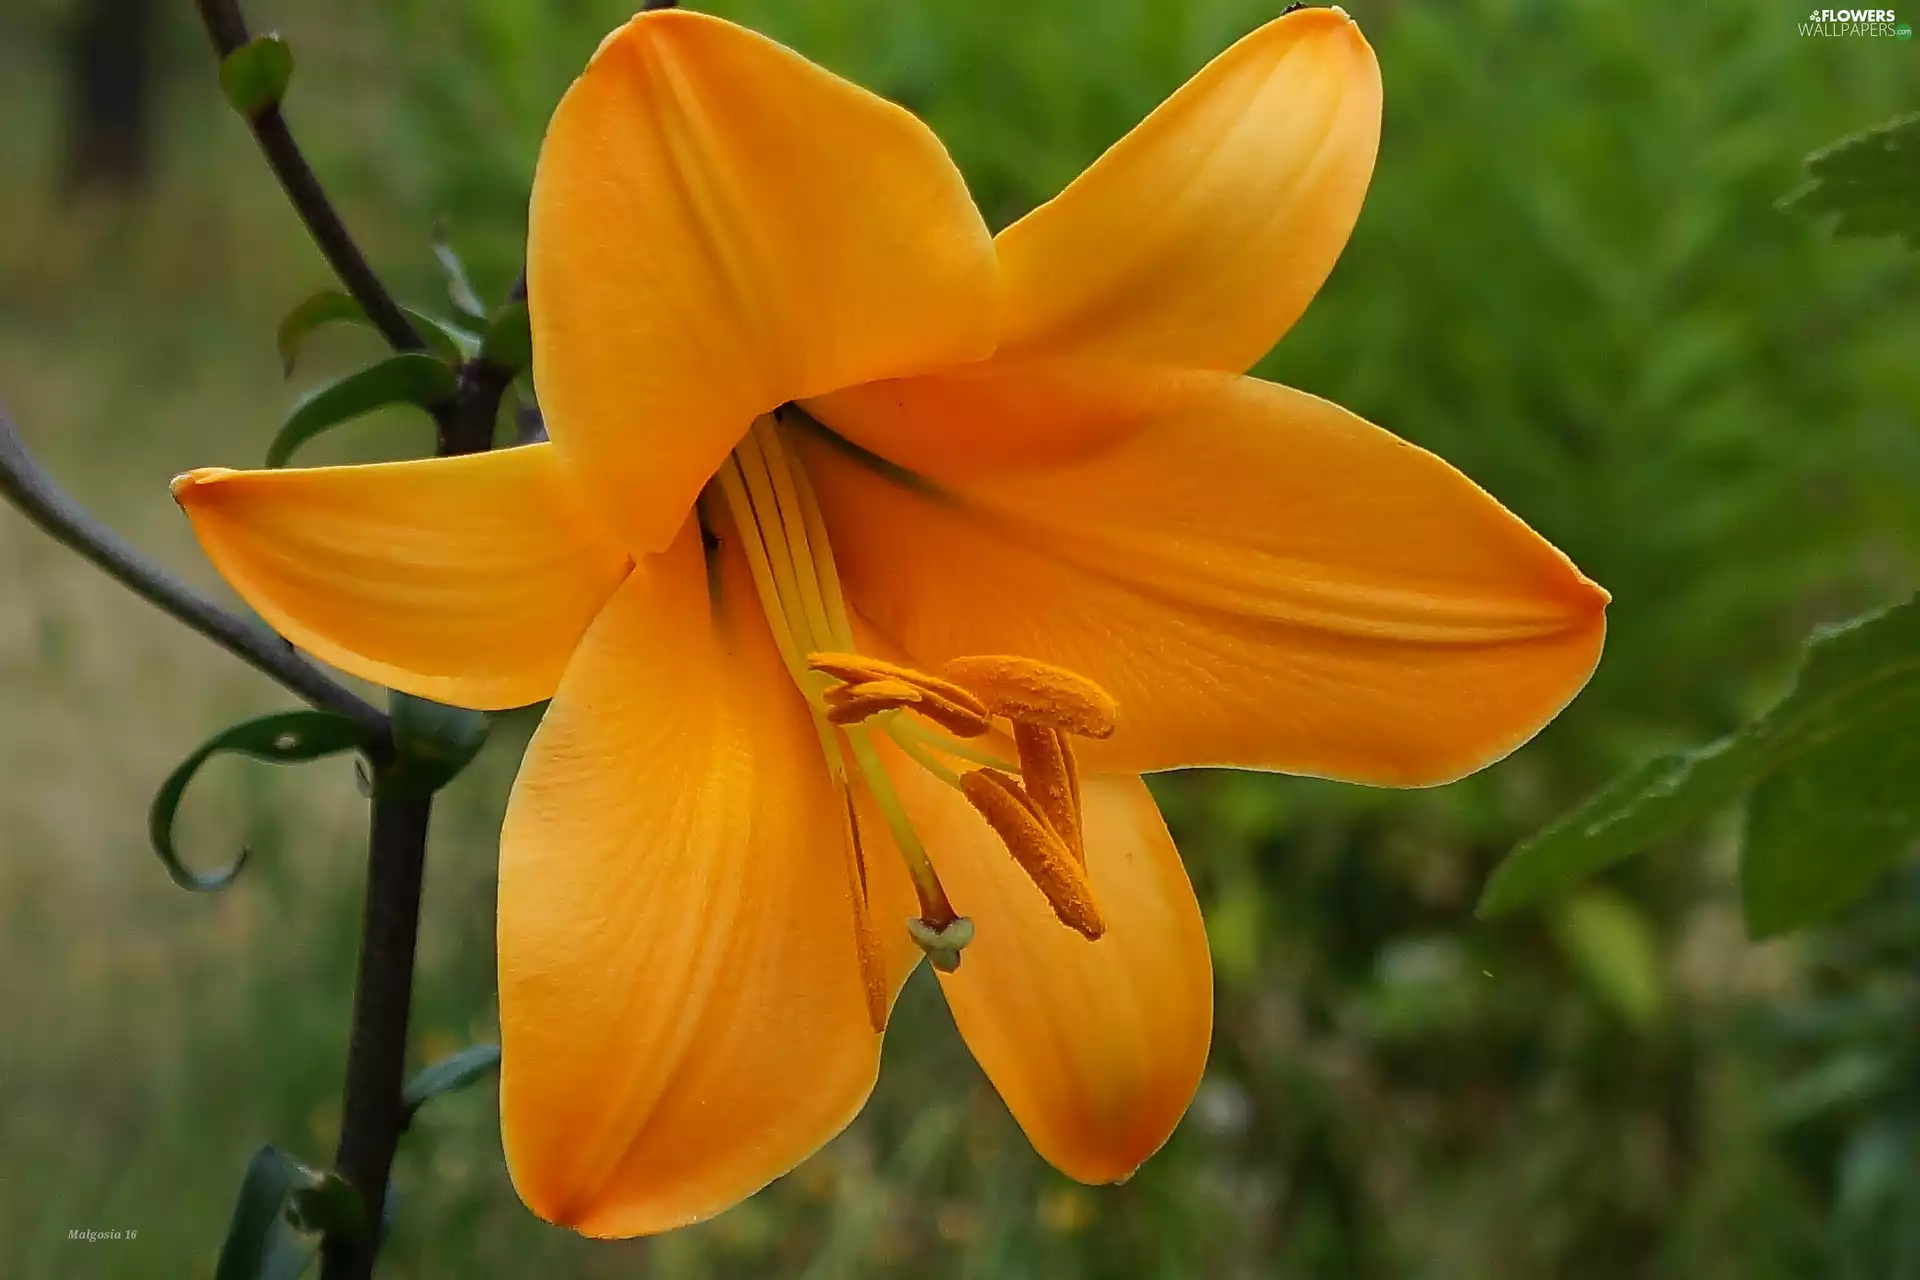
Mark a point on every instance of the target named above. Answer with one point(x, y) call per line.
point(30, 489)
point(228, 29)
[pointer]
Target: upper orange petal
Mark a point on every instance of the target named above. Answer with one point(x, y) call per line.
point(1193, 244)
point(1096, 1047)
point(1200, 237)
point(1260, 578)
point(465, 580)
point(719, 226)
point(681, 1006)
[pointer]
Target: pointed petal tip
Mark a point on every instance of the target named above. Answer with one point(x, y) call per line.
point(183, 484)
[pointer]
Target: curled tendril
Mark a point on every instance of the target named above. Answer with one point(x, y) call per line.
point(290, 737)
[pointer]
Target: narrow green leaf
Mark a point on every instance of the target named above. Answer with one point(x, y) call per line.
point(509, 340)
point(322, 308)
point(1821, 831)
point(255, 76)
point(286, 738)
point(433, 742)
point(328, 1206)
point(1869, 183)
point(448, 340)
point(412, 377)
point(1851, 673)
point(1610, 943)
point(261, 1243)
point(460, 289)
point(1660, 797)
point(449, 1075)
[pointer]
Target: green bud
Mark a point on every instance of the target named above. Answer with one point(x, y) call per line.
point(433, 743)
point(254, 77)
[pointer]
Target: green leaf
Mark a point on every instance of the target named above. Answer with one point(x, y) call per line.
point(1820, 833)
point(509, 340)
point(449, 1075)
point(262, 1243)
point(448, 340)
point(254, 77)
point(324, 307)
point(460, 289)
point(1869, 183)
point(328, 1206)
point(412, 377)
point(433, 742)
point(287, 738)
point(1609, 942)
point(1849, 675)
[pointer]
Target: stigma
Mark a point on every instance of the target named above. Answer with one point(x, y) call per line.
point(956, 723)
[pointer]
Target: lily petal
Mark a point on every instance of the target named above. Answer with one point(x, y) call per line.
point(465, 580)
point(1260, 578)
point(681, 1007)
point(1193, 244)
point(719, 226)
point(1096, 1047)
point(1200, 237)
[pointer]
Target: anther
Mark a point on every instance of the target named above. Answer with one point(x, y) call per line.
point(1037, 692)
point(941, 701)
point(1018, 821)
point(1051, 780)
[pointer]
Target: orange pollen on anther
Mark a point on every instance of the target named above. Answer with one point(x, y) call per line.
point(872, 686)
point(1034, 844)
point(1038, 693)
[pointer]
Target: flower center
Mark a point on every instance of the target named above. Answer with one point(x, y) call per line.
point(1032, 803)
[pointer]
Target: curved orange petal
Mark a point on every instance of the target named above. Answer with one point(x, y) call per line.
point(1096, 1047)
point(718, 226)
point(681, 1008)
point(1200, 237)
point(1193, 244)
point(1262, 579)
point(465, 580)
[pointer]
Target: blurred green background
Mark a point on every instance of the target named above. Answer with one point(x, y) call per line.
point(1569, 280)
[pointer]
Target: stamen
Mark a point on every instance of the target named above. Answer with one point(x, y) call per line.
point(941, 701)
point(866, 942)
point(1052, 867)
point(1048, 773)
point(1037, 692)
point(852, 703)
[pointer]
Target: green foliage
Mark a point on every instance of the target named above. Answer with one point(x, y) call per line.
point(290, 737)
point(509, 340)
point(412, 377)
point(1869, 183)
point(263, 1242)
point(1838, 755)
point(450, 1075)
point(255, 76)
point(434, 742)
point(329, 306)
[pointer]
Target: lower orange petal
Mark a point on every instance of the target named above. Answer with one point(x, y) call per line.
point(682, 1012)
point(1096, 1047)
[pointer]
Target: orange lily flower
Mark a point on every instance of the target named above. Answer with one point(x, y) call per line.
point(872, 560)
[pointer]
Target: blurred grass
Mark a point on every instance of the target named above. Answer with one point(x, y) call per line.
point(1569, 280)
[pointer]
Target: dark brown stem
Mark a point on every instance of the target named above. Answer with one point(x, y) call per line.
point(373, 1115)
point(228, 29)
point(23, 483)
